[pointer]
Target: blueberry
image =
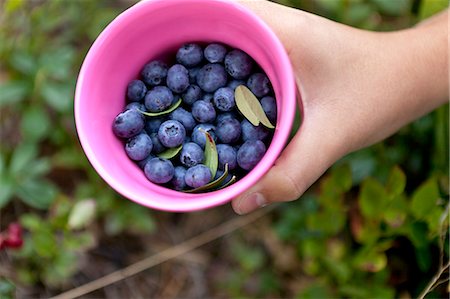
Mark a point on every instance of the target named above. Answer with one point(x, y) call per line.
point(171, 133)
point(215, 53)
point(178, 78)
point(158, 99)
point(135, 106)
point(193, 74)
point(178, 181)
point(250, 153)
point(259, 84)
point(152, 124)
point(269, 106)
point(224, 116)
point(193, 93)
point(158, 147)
point(224, 99)
point(128, 124)
point(139, 147)
point(203, 111)
point(142, 163)
point(198, 176)
point(198, 135)
point(235, 83)
point(136, 90)
point(154, 73)
point(159, 170)
point(191, 154)
point(184, 117)
point(211, 77)
point(208, 97)
point(227, 154)
point(250, 132)
point(238, 64)
point(228, 130)
point(190, 55)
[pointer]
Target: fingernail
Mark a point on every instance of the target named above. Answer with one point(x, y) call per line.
point(251, 202)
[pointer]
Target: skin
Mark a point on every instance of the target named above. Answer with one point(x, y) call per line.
point(358, 87)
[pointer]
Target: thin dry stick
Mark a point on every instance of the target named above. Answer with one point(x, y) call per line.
point(165, 255)
point(433, 281)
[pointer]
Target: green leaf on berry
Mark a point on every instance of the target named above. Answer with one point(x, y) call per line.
point(231, 181)
point(249, 105)
point(211, 155)
point(170, 152)
point(214, 185)
point(170, 109)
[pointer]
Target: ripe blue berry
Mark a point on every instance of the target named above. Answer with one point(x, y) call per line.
point(259, 84)
point(224, 99)
point(139, 147)
point(250, 132)
point(197, 176)
point(178, 181)
point(211, 77)
point(193, 93)
point(178, 78)
point(228, 130)
point(250, 153)
point(269, 106)
point(136, 90)
point(184, 117)
point(158, 99)
point(238, 64)
point(142, 163)
point(193, 74)
point(171, 133)
point(227, 154)
point(128, 124)
point(224, 116)
point(203, 111)
point(191, 154)
point(158, 147)
point(190, 55)
point(152, 124)
point(135, 106)
point(235, 83)
point(159, 171)
point(154, 73)
point(215, 53)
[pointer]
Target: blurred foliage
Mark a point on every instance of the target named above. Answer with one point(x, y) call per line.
point(373, 221)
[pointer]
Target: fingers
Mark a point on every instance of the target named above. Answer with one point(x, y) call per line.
point(304, 160)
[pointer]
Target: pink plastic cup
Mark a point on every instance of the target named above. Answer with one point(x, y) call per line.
point(152, 29)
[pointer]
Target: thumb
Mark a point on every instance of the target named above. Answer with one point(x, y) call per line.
point(304, 160)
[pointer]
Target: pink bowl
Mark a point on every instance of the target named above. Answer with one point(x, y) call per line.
point(149, 30)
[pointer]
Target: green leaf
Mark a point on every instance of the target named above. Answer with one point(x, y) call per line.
point(393, 7)
point(31, 221)
point(13, 92)
point(78, 242)
point(250, 107)
point(396, 182)
point(211, 185)
point(372, 198)
point(35, 123)
point(82, 214)
point(23, 155)
point(170, 152)
point(211, 155)
point(37, 193)
point(342, 177)
point(57, 63)
point(231, 181)
point(58, 96)
point(23, 62)
point(7, 191)
point(430, 7)
point(424, 199)
point(170, 109)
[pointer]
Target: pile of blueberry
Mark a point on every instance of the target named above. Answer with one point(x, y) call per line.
point(205, 79)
